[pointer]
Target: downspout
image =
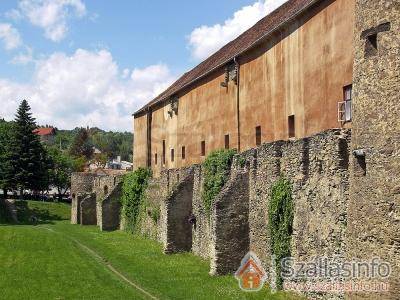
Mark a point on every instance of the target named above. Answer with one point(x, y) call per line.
point(237, 66)
point(149, 121)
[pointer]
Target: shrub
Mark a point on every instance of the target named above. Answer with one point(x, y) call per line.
point(216, 173)
point(280, 215)
point(133, 188)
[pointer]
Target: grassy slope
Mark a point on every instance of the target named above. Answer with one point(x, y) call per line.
point(47, 264)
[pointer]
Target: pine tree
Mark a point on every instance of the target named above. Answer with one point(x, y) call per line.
point(5, 167)
point(29, 160)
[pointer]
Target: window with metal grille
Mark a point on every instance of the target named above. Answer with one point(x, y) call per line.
point(347, 91)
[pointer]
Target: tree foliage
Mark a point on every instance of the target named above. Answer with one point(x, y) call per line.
point(27, 157)
point(280, 215)
point(134, 185)
point(5, 154)
point(216, 173)
point(60, 174)
point(82, 146)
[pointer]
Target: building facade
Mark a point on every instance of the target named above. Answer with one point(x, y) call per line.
point(289, 76)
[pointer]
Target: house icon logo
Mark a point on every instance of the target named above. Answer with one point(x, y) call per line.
point(251, 275)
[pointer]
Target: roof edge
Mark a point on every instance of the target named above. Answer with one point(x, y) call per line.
point(255, 43)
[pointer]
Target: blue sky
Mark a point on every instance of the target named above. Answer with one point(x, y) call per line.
point(91, 62)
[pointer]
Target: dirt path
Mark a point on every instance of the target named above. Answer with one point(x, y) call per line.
point(103, 261)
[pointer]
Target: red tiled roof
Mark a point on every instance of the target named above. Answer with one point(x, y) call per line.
point(44, 131)
point(241, 44)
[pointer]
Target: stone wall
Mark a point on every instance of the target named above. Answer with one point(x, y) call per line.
point(178, 208)
point(316, 166)
point(201, 235)
point(108, 190)
point(81, 183)
point(374, 207)
point(230, 224)
point(88, 209)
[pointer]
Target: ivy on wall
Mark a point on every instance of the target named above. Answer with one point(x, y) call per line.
point(280, 215)
point(216, 173)
point(133, 188)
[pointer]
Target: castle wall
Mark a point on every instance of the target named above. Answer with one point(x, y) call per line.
point(316, 166)
point(108, 190)
point(230, 224)
point(88, 210)
point(81, 183)
point(374, 207)
point(300, 70)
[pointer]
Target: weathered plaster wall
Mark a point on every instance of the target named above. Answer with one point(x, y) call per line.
point(301, 70)
point(81, 183)
point(374, 208)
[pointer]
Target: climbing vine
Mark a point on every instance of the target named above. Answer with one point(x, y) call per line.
point(280, 215)
point(133, 188)
point(216, 173)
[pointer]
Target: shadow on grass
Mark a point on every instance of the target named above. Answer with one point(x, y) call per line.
point(31, 215)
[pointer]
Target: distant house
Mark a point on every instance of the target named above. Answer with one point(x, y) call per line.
point(118, 164)
point(46, 134)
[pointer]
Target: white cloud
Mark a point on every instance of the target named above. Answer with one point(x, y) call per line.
point(10, 36)
point(50, 15)
point(23, 58)
point(85, 88)
point(205, 40)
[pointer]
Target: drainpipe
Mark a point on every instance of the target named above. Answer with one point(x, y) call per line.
point(237, 66)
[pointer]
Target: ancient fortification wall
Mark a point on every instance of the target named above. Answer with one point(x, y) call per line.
point(81, 183)
point(96, 200)
point(238, 221)
point(374, 212)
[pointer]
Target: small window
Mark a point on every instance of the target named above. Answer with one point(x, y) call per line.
point(163, 152)
point(371, 45)
point(172, 155)
point(155, 158)
point(105, 189)
point(183, 152)
point(203, 148)
point(347, 91)
point(258, 135)
point(227, 141)
point(291, 127)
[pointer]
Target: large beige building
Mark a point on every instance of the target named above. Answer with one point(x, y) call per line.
point(289, 76)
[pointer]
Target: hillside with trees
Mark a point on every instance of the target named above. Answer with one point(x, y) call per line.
point(27, 163)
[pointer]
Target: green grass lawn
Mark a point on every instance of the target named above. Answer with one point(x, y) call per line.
point(51, 261)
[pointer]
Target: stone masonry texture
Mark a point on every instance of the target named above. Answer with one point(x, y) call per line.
point(88, 210)
point(374, 206)
point(81, 183)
